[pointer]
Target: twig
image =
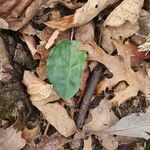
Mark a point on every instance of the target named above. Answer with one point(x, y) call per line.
point(91, 86)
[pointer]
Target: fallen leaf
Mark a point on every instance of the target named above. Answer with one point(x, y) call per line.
point(41, 94)
point(10, 138)
point(102, 118)
point(29, 134)
point(121, 23)
point(54, 142)
point(82, 15)
point(85, 33)
point(109, 142)
point(134, 125)
point(88, 144)
point(121, 69)
point(10, 11)
point(64, 61)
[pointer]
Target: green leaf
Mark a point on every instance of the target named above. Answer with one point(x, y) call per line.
point(65, 66)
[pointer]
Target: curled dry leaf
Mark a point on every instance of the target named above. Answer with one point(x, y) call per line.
point(134, 125)
point(121, 23)
point(15, 14)
point(40, 94)
point(11, 139)
point(121, 69)
point(82, 15)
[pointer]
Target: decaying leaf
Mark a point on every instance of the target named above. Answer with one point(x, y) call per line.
point(40, 94)
point(134, 125)
point(82, 15)
point(65, 66)
point(121, 23)
point(102, 118)
point(29, 134)
point(85, 33)
point(121, 69)
point(55, 142)
point(109, 142)
point(10, 11)
point(11, 139)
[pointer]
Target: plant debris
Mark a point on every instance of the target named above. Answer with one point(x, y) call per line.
point(74, 74)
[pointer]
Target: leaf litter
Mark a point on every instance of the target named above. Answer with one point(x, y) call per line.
point(83, 71)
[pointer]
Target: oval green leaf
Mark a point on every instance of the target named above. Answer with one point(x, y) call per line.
point(65, 66)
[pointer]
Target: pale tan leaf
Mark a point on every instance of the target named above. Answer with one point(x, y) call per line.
point(11, 139)
point(102, 118)
point(121, 23)
point(121, 69)
point(57, 116)
point(122, 32)
point(82, 15)
point(41, 94)
point(109, 142)
point(85, 33)
point(88, 144)
point(30, 41)
point(52, 39)
point(126, 11)
point(134, 125)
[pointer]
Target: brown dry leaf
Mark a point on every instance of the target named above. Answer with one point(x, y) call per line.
point(11, 139)
point(55, 142)
point(29, 134)
point(82, 15)
point(85, 33)
point(15, 14)
point(121, 23)
point(41, 94)
point(121, 69)
point(88, 144)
